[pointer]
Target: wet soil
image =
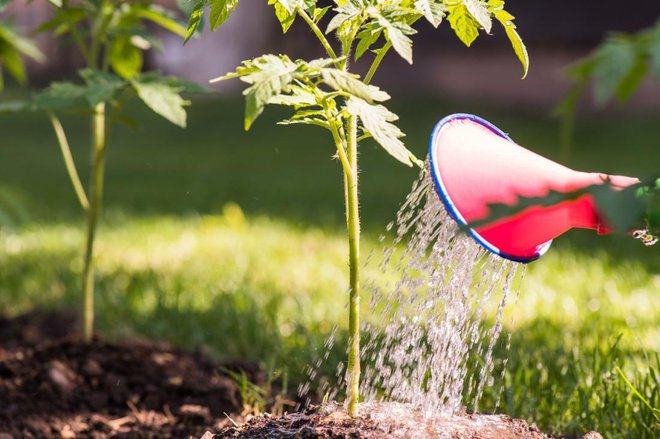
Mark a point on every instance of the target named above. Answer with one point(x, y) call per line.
point(52, 386)
point(382, 421)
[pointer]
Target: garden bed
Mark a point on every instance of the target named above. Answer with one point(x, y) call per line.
point(54, 387)
point(383, 421)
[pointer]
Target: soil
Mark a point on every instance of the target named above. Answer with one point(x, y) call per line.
point(381, 421)
point(54, 387)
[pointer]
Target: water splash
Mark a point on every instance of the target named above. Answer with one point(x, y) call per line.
point(428, 328)
point(431, 331)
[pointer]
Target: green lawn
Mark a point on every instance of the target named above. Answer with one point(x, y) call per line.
point(233, 241)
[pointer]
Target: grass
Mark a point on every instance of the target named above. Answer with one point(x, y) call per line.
point(234, 242)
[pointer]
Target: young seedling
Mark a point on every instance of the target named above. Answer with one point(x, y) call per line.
point(325, 93)
point(111, 36)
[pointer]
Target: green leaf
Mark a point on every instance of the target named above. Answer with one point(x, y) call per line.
point(614, 61)
point(479, 11)
point(60, 95)
point(220, 11)
point(125, 58)
point(11, 59)
point(396, 32)
point(23, 45)
point(290, 5)
point(195, 19)
point(285, 17)
point(14, 106)
point(433, 11)
point(654, 50)
point(319, 13)
point(100, 86)
point(337, 21)
point(269, 76)
point(463, 24)
point(376, 120)
point(63, 21)
point(318, 121)
point(348, 82)
point(366, 38)
point(631, 81)
point(297, 99)
point(161, 17)
point(163, 99)
point(518, 47)
point(506, 19)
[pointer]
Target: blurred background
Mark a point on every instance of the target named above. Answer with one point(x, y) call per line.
point(232, 241)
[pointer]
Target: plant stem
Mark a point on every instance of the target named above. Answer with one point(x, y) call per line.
point(96, 196)
point(376, 63)
point(68, 161)
point(319, 34)
point(353, 226)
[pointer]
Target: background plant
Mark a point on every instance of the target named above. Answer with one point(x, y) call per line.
point(14, 48)
point(324, 93)
point(111, 36)
point(615, 70)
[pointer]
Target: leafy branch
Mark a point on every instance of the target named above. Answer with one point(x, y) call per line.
point(615, 69)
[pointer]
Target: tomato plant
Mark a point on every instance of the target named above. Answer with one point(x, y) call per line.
point(323, 92)
point(111, 36)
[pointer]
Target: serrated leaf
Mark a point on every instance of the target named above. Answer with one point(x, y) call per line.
point(125, 58)
point(344, 81)
point(463, 24)
point(433, 11)
point(220, 11)
point(366, 38)
point(518, 47)
point(195, 19)
point(479, 11)
point(162, 99)
point(337, 21)
point(285, 18)
point(269, 76)
point(396, 32)
point(319, 13)
point(376, 120)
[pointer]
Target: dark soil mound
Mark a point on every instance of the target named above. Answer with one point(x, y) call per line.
point(382, 421)
point(52, 386)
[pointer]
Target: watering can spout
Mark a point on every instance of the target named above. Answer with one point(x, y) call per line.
point(475, 165)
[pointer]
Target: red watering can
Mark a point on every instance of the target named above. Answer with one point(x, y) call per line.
point(474, 164)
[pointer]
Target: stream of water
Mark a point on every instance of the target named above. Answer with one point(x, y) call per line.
point(430, 332)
